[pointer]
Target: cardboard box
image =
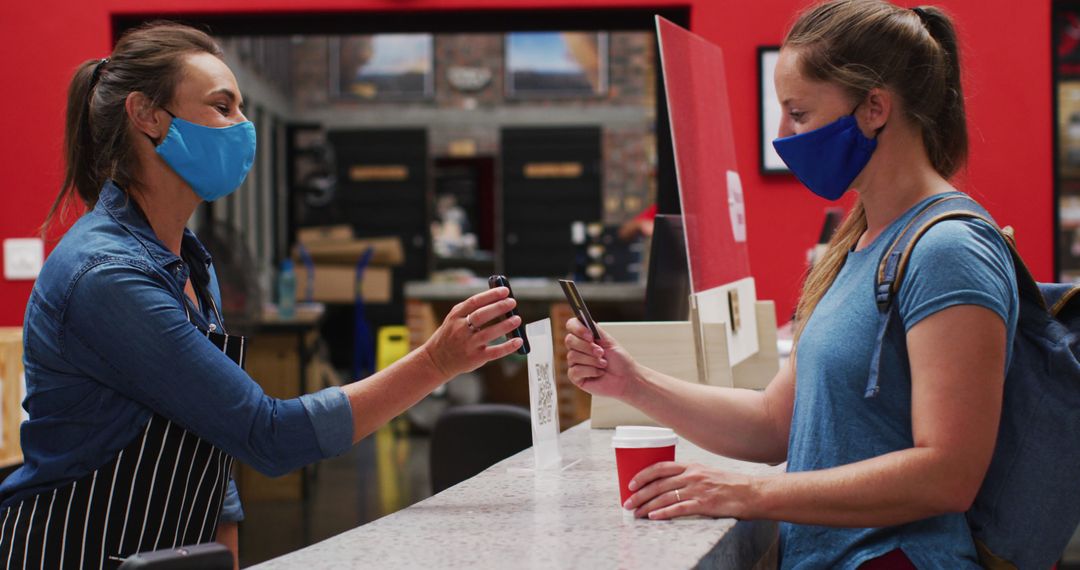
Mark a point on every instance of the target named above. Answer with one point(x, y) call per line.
point(387, 251)
point(337, 284)
point(338, 244)
point(666, 347)
point(324, 233)
point(12, 391)
point(679, 350)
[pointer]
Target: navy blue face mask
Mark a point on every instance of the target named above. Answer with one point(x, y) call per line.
point(827, 160)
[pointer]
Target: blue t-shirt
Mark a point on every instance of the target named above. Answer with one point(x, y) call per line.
point(957, 262)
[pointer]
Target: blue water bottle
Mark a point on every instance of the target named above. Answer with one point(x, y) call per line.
point(286, 290)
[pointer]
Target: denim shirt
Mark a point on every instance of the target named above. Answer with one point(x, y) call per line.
point(107, 343)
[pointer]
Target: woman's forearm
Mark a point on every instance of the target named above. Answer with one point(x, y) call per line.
point(384, 395)
point(466, 340)
point(890, 489)
point(729, 421)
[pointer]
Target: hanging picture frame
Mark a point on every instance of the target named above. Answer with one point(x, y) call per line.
point(556, 65)
point(382, 67)
point(769, 111)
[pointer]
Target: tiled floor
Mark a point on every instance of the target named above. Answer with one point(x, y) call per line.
point(345, 493)
point(1071, 559)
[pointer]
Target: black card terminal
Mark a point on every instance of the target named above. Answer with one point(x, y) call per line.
point(501, 281)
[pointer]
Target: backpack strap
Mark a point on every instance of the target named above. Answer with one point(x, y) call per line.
point(1062, 298)
point(894, 261)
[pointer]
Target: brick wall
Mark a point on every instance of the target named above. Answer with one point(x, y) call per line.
point(629, 172)
point(468, 52)
point(630, 77)
point(301, 67)
point(629, 147)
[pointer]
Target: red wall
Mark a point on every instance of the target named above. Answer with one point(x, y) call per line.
point(1006, 56)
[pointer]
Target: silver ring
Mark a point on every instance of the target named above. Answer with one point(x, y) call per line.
point(678, 499)
point(468, 321)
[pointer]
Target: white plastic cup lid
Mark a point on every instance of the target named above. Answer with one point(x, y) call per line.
point(643, 436)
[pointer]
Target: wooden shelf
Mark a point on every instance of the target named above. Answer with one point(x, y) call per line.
point(11, 388)
point(11, 461)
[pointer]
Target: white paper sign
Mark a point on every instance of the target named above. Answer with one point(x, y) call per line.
point(543, 399)
point(736, 206)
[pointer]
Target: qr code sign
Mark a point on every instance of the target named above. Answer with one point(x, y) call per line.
point(546, 396)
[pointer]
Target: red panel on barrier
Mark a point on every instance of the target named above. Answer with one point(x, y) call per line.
point(714, 214)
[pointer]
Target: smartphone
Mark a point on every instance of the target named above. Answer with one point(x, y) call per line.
point(501, 281)
point(578, 305)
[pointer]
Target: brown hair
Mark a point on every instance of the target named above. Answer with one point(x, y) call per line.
point(97, 147)
point(866, 44)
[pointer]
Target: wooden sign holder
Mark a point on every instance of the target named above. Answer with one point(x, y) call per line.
point(692, 351)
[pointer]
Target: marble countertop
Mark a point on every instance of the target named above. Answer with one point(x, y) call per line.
point(510, 516)
point(527, 289)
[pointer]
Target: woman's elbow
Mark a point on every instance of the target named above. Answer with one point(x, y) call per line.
point(275, 471)
point(275, 443)
point(274, 458)
point(270, 459)
point(959, 502)
point(958, 495)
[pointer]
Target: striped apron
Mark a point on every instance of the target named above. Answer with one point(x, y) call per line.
point(163, 490)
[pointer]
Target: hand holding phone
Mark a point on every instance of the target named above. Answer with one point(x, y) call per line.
point(578, 305)
point(501, 281)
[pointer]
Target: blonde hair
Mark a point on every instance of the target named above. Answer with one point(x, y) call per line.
point(866, 44)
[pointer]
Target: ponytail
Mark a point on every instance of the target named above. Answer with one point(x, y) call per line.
point(80, 173)
point(97, 145)
point(825, 269)
point(945, 135)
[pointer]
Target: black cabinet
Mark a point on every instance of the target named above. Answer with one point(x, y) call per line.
point(551, 177)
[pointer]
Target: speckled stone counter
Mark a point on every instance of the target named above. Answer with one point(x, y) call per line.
point(512, 517)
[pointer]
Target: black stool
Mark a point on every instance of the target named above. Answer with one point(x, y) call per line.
point(468, 439)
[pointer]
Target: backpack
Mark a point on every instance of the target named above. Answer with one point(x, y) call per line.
point(1029, 504)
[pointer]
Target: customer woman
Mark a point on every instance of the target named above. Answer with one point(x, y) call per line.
point(137, 399)
point(872, 93)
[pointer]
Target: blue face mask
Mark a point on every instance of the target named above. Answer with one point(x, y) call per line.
point(827, 160)
point(213, 161)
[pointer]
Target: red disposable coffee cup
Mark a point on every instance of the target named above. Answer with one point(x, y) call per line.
point(637, 447)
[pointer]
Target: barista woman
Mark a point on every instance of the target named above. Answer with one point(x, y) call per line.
point(137, 398)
